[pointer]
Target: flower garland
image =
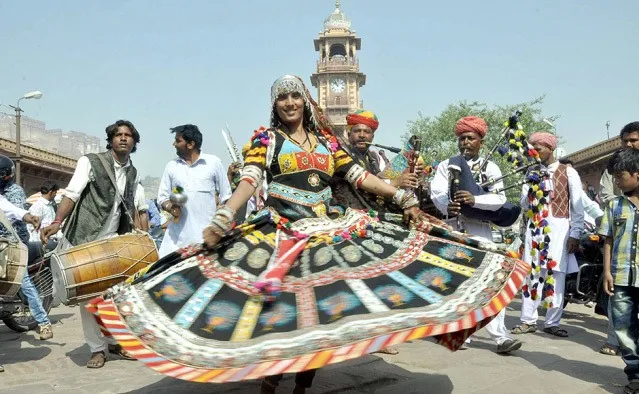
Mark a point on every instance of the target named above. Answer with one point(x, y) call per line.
point(517, 150)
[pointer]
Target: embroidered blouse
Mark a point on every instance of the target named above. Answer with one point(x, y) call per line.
point(298, 179)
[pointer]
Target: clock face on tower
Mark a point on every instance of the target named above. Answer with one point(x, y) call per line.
point(338, 85)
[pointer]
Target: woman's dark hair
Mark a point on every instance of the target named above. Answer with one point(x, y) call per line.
point(566, 161)
point(112, 129)
point(632, 127)
point(624, 160)
point(189, 133)
point(49, 186)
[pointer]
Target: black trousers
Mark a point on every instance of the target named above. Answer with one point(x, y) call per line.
point(302, 379)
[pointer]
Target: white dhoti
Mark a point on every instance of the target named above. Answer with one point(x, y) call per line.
point(496, 329)
point(559, 233)
point(92, 334)
point(529, 306)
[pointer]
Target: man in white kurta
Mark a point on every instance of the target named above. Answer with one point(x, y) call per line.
point(201, 176)
point(470, 132)
point(43, 208)
point(566, 222)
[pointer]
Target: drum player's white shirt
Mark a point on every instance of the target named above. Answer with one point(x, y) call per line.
point(200, 181)
point(488, 202)
point(81, 177)
point(11, 210)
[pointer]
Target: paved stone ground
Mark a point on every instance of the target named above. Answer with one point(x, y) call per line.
point(543, 365)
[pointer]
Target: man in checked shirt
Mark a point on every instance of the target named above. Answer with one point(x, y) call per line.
point(620, 228)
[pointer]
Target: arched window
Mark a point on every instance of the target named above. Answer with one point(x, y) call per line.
point(337, 50)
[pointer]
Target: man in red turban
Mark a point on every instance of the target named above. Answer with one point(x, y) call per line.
point(471, 124)
point(564, 218)
point(472, 208)
point(544, 138)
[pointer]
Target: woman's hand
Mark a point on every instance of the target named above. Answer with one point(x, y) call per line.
point(211, 238)
point(413, 214)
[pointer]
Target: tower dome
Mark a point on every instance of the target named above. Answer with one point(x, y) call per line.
point(337, 19)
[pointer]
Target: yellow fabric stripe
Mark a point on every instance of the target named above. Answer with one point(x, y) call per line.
point(255, 159)
point(320, 360)
point(129, 343)
point(260, 150)
point(417, 333)
point(108, 313)
point(342, 162)
point(248, 319)
point(208, 376)
point(448, 265)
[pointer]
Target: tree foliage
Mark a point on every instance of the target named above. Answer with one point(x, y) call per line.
point(440, 143)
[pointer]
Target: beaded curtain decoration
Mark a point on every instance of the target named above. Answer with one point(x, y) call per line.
point(518, 151)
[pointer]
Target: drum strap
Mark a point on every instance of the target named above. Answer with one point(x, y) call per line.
point(119, 197)
point(4, 220)
point(4, 243)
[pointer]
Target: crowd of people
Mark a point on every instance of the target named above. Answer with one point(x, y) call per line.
point(316, 245)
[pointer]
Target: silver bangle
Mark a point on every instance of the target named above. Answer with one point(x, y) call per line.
point(217, 230)
point(252, 174)
point(355, 175)
point(226, 211)
point(405, 199)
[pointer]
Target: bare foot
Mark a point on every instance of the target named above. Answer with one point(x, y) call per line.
point(388, 350)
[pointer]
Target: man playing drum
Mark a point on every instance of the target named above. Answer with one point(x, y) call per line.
point(94, 209)
point(470, 132)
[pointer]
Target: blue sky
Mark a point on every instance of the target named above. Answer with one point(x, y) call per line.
point(165, 63)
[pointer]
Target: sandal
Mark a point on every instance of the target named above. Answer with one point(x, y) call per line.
point(631, 388)
point(388, 350)
point(609, 350)
point(117, 349)
point(556, 331)
point(524, 328)
point(97, 360)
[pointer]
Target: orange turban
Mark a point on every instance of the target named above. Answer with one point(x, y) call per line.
point(363, 117)
point(471, 124)
point(544, 138)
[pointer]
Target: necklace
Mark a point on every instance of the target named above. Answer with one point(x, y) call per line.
point(118, 161)
point(305, 140)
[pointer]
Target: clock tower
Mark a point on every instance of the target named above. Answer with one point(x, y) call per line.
point(338, 78)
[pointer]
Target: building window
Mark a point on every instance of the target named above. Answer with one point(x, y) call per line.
point(337, 50)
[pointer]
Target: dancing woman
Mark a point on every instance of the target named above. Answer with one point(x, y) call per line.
point(301, 285)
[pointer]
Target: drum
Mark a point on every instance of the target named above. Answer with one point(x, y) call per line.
point(86, 271)
point(13, 267)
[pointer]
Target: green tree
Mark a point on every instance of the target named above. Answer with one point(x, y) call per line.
point(438, 132)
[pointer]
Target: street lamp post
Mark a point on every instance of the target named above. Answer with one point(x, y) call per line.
point(31, 95)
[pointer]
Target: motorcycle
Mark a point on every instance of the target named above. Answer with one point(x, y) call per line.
point(14, 311)
point(583, 286)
